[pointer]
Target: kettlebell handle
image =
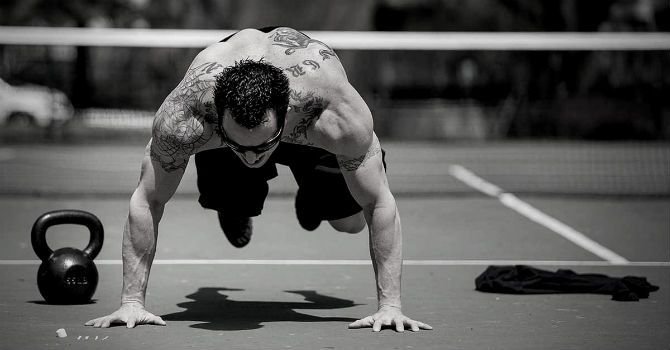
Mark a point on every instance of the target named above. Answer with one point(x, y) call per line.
point(59, 217)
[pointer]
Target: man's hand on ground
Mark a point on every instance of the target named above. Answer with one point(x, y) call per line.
point(389, 316)
point(130, 314)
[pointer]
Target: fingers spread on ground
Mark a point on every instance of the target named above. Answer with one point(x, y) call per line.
point(425, 326)
point(156, 320)
point(364, 322)
point(377, 326)
point(399, 325)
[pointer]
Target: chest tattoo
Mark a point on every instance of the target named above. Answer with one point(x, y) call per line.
point(309, 107)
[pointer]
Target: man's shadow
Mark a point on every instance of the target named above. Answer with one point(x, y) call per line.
point(215, 311)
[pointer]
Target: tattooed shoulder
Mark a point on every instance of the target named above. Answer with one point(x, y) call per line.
point(184, 121)
point(294, 40)
point(174, 141)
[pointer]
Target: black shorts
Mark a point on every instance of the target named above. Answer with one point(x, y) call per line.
point(227, 185)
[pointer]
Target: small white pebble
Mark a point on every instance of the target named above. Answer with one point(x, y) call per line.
point(60, 333)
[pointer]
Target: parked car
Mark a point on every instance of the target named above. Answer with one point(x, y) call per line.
point(33, 106)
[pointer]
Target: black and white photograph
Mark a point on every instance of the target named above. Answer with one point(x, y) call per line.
point(353, 174)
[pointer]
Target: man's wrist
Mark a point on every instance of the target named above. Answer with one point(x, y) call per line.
point(390, 305)
point(132, 302)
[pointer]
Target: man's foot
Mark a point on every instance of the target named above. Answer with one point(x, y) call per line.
point(237, 229)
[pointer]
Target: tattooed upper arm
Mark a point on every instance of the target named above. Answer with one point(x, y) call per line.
point(349, 163)
point(180, 126)
point(364, 174)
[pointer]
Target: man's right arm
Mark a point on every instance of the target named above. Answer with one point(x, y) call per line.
point(182, 126)
point(155, 188)
point(157, 184)
point(159, 179)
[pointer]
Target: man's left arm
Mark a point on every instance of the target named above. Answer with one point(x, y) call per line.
point(360, 160)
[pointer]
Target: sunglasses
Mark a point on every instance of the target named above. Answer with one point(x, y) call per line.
point(258, 149)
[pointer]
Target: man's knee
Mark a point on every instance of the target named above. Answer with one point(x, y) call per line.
point(351, 224)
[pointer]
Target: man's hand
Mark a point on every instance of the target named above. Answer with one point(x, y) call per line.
point(130, 314)
point(389, 316)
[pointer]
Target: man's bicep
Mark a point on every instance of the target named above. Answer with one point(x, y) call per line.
point(364, 174)
point(167, 151)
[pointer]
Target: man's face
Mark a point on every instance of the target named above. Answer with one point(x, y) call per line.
point(252, 146)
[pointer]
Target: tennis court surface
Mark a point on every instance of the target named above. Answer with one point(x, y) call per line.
point(589, 207)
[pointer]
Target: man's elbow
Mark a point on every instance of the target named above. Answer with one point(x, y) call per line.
point(383, 200)
point(141, 200)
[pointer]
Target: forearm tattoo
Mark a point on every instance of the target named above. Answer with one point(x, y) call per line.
point(179, 127)
point(295, 40)
point(352, 164)
point(309, 106)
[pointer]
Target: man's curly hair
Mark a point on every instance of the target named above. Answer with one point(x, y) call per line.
point(248, 89)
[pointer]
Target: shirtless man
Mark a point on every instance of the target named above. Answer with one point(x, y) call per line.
point(237, 101)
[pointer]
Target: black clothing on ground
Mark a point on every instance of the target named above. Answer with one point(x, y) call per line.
point(522, 279)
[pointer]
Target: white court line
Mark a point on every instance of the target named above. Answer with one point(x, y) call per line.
point(367, 262)
point(513, 202)
point(474, 181)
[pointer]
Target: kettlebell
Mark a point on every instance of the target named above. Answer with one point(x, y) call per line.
point(67, 275)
